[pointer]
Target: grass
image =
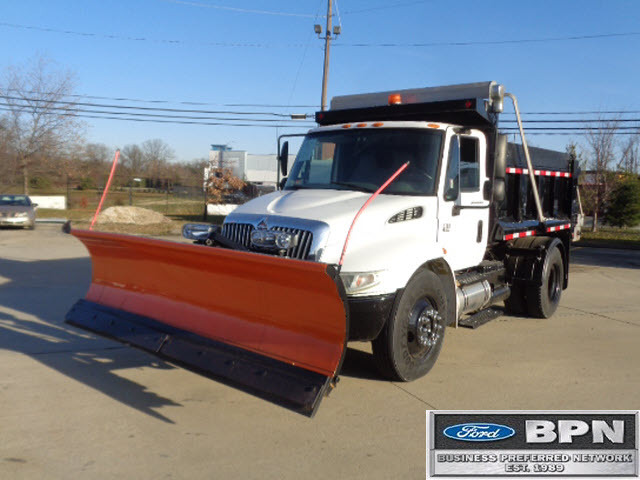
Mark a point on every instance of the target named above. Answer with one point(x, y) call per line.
point(179, 210)
point(613, 237)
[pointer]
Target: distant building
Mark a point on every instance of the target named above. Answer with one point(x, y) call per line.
point(256, 169)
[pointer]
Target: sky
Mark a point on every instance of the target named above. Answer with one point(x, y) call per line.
point(221, 52)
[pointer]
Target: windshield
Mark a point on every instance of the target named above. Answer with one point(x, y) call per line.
point(15, 200)
point(363, 159)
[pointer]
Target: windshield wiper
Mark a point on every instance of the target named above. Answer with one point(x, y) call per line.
point(354, 186)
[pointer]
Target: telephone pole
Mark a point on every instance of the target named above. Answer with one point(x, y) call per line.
point(327, 48)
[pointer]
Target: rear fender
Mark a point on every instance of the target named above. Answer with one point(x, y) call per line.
point(526, 258)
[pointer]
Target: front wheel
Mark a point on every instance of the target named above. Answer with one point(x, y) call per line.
point(410, 342)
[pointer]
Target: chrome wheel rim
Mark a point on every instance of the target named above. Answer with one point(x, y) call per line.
point(425, 328)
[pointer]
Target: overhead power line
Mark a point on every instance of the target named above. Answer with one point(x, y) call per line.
point(131, 107)
point(585, 129)
point(172, 41)
point(273, 105)
point(35, 102)
point(301, 45)
point(70, 110)
point(177, 102)
point(591, 112)
point(386, 7)
point(492, 42)
point(177, 122)
point(576, 120)
point(203, 117)
point(568, 133)
point(240, 10)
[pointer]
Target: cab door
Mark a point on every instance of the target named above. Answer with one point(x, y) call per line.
point(463, 212)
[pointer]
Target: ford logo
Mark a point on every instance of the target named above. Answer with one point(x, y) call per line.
point(479, 432)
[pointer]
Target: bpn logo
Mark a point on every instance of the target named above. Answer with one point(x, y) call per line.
point(479, 432)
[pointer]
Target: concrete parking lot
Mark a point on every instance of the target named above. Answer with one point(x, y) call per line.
point(76, 406)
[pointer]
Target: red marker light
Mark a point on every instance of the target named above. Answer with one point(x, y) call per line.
point(395, 99)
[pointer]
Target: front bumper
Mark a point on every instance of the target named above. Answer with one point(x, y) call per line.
point(16, 221)
point(367, 315)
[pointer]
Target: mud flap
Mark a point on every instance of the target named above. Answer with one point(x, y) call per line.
point(274, 327)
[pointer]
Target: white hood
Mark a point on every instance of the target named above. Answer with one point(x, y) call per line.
point(338, 208)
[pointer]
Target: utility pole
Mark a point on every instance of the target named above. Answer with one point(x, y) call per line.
point(327, 47)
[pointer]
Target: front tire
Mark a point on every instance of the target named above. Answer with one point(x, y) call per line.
point(410, 342)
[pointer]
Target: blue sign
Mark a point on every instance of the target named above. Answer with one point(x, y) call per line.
point(479, 432)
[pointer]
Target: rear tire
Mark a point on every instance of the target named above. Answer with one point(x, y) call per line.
point(543, 299)
point(411, 340)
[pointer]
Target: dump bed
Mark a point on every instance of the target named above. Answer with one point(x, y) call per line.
point(556, 175)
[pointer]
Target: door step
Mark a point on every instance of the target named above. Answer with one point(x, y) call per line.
point(478, 319)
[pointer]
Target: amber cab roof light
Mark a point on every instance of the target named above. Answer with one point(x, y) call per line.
point(395, 99)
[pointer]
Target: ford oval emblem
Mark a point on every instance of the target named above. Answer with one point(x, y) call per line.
point(479, 432)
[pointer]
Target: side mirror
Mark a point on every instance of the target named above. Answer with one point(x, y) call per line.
point(499, 190)
point(34, 205)
point(283, 158)
point(500, 165)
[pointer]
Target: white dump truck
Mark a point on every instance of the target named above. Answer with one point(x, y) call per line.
point(457, 222)
point(460, 230)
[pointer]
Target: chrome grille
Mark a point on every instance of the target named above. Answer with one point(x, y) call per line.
point(305, 238)
point(238, 232)
point(241, 233)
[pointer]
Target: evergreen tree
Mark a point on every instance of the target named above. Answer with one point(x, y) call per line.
point(624, 203)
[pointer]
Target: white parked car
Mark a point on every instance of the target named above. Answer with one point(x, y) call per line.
point(17, 211)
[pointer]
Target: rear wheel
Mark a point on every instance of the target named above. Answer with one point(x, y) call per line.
point(543, 299)
point(411, 340)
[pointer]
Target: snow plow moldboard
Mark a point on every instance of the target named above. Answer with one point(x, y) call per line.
point(274, 327)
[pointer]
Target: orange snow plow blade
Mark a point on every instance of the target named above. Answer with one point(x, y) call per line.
point(275, 327)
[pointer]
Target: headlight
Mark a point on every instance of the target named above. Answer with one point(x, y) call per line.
point(271, 238)
point(197, 231)
point(285, 240)
point(357, 282)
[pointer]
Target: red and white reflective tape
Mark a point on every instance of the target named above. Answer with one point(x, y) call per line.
point(528, 233)
point(559, 227)
point(544, 173)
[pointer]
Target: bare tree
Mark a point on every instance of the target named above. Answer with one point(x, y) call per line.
point(157, 154)
point(38, 124)
point(133, 158)
point(630, 160)
point(601, 141)
point(7, 159)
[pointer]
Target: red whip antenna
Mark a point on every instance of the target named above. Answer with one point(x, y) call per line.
point(366, 204)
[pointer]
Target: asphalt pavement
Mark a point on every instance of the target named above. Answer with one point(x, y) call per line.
point(73, 405)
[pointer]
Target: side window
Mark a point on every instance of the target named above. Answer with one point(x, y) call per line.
point(452, 179)
point(469, 165)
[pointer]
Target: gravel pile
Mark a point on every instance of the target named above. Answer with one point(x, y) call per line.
point(131, 215)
